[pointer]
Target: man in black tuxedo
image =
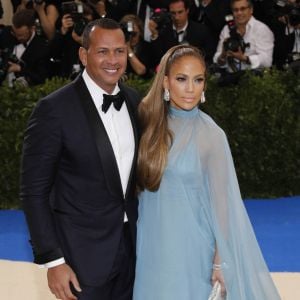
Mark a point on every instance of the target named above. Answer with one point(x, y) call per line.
point(77, 176)
point(180, 30)
point(30, 51)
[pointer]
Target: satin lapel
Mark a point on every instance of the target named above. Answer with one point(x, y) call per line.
point(133, 117)
point(105, 150)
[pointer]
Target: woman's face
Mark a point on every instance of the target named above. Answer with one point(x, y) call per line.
point(185, 82)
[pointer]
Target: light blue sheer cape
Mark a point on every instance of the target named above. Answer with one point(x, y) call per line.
point(197, 205)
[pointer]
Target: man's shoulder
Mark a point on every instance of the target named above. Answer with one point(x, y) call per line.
point(132, 94)
point(61, 95)
point(197, 29)
point(258, 25)
point(40, 41)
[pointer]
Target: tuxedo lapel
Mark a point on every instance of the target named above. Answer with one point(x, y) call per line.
point(132, 114)
point(104, 147)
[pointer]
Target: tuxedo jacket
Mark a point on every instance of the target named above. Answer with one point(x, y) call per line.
point(196, 35)
point(70, 184)
point(35, 59)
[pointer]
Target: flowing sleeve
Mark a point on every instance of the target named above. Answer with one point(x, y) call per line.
point(245, 272)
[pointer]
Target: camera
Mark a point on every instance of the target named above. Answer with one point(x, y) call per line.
point(127, 28)
point(282, 8)
point(5, 57)
point(235, 40)
point(76, 11)
point(161, 17)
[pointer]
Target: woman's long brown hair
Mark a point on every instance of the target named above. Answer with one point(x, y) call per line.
point(156, 136)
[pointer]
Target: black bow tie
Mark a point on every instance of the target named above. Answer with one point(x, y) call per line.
point(117, 100)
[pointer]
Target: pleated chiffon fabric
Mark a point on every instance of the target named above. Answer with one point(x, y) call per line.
point(197, 206)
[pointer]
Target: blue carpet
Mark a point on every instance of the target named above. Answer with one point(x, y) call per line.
point(275, 222)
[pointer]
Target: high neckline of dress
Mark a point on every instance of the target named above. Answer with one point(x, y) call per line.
point(175, 112)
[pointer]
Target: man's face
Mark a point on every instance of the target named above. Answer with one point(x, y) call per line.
point(179, 14)
point(242, 12)
point(23, 33)
point(105, 59)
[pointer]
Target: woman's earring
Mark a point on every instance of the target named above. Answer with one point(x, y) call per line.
point(166, 95)
point(202, 99)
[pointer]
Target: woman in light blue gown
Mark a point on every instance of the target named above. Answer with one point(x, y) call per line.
point(193, 228)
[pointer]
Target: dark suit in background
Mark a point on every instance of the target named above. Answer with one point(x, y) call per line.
point(196, 35)
point(35, 59)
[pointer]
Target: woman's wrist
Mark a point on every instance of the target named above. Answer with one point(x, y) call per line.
point(216, 267)
point(130, 54)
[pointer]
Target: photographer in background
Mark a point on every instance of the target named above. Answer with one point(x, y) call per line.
point(249, 45)
point(68, 39)
point(180, 30)
point(286, 27)
point(47, 14)
point(139, 55)
point(27, 52)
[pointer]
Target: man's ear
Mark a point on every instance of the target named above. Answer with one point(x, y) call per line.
point(83, 56)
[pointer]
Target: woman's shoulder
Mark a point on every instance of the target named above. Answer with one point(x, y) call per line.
point(210, 123)
point(214, 134)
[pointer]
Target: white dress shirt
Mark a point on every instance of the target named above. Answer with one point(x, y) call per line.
point(118, 127)
point(261, 40)
point(120, 132)
point(291, 30)
point(182, 32)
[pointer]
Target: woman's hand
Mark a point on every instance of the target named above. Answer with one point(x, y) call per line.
point(218, 276)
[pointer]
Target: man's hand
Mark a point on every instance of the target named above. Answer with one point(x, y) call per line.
point(59, 280)
point(239, 55)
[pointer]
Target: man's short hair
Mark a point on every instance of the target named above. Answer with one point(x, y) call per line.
point(104, 23)
point(24, 17)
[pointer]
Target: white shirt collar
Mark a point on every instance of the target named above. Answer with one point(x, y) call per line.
point(183, 28)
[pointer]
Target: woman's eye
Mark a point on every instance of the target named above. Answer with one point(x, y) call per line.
point(199, 80)
point(180, 79)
